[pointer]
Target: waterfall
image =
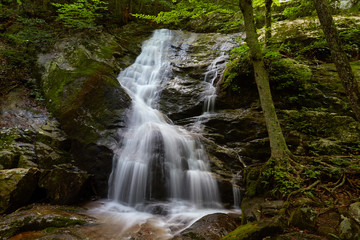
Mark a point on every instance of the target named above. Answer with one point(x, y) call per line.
point(212, 74)
point(158, 160)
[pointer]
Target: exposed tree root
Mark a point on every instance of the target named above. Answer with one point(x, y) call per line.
point(340, 184)
point(302, 190)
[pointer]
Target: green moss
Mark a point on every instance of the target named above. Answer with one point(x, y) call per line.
point(247, 231)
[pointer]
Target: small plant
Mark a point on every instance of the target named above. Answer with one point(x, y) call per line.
point(281, 182)
point(80, 14)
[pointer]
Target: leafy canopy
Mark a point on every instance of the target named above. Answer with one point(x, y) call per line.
point(188, 9)
point(80, 14)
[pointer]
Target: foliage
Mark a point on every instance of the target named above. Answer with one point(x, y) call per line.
point(298, 8)
point(21, 45)
point(81, 14)
point(279, 180)
point(185, 10)
point(238, 69)
point(288, 78)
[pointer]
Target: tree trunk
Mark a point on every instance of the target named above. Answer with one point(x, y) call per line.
point(268, 4)
point(279, 149)
point(338, 55)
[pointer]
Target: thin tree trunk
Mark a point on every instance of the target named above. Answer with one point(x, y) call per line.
point(338, 55)
point(279, 149)
point(268, 4)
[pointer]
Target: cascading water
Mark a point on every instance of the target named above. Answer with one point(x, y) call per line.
point(160, 177)
point(158, 160)
point(211, 75)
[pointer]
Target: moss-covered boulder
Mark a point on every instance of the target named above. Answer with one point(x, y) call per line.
point(327, 133)
point(65, 185)
point(257, 230)
point(40, 217)
point(80, 86)
point(17, 187)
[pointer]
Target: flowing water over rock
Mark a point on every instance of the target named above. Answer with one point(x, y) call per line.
point(161, 174)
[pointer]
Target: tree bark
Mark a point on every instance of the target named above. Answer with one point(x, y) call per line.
point(268, 4)
point(339, 56)
point(279, 149)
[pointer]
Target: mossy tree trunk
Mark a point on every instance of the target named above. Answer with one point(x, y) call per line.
point(279, 149)
point(268, 4)
point(338, 55)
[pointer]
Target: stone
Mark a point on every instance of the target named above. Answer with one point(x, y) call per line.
point(304, 218)
point(210, 227)
point(81, 88)
point(257, 230)
point(348, 229)
point(65, 186)
point(354, 211)
point(17, 187)
point(40, 217)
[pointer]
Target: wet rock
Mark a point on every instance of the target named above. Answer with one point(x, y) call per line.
point(304, 218)
point(40, 217)
point(190, 57)
point(211, 227)
point(17, 187)
point(65, 186)
point(257, 230)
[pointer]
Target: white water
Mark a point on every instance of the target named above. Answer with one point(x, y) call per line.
point(158, 160)
point(161, 175)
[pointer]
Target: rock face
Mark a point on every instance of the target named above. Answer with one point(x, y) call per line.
point(81, 89)
point(64, 186)
point(17, 187)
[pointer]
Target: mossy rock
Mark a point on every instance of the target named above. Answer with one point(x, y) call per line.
point(65, 186)
point(328, 133)
point(17, 187)
point(257, 230)
point(39, 217)
point(81, 89)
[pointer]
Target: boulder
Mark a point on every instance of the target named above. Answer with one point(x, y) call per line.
point(65, 185)
point(17, 187)
point(211, 227)
point(304, 218)
point(40, 217)
point(257, 230)
point(81, 89)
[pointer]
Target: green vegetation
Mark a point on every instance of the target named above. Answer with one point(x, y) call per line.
point(81, 14)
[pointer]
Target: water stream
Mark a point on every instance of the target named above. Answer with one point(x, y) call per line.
point(161, 174)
